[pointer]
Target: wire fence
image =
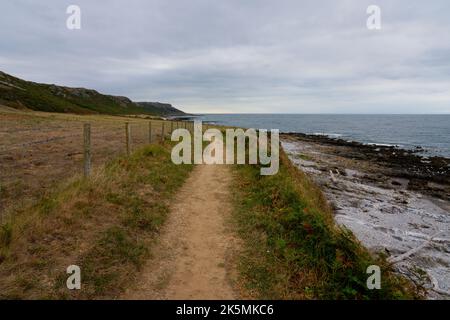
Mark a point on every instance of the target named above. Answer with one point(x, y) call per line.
point(34, 158)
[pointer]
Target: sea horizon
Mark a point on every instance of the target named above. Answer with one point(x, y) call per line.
point(306, 113)
point(426, 132)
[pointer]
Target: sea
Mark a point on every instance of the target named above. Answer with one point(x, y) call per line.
point(430, 132)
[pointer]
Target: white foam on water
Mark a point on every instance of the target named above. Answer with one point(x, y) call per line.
point(331, 135)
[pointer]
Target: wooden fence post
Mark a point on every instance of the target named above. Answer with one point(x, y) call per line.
point(150, 132)
point(171, 127)
point(128, 137)
point(87, 149)
point(162, 132)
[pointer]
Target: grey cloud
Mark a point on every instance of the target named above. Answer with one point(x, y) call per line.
point(239, 56)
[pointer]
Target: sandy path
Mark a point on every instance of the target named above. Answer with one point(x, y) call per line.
point(193, 259)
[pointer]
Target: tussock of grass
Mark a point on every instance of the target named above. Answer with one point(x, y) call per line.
point(292, 247)
point(105, 224)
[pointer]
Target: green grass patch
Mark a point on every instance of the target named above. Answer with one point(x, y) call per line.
point(292, 247)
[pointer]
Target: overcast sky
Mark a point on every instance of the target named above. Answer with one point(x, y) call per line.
point(239, 55)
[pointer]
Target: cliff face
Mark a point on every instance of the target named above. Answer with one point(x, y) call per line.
point(18, 93)
point(160, 108)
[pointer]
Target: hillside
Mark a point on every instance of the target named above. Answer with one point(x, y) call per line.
point(21, 94)
point(160, 108)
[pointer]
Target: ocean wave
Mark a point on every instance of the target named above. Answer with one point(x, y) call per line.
point(331, 135)
point(383, 144)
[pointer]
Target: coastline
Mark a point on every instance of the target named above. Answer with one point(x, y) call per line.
point(395, 201)
point(423, 134)
point(396, 162)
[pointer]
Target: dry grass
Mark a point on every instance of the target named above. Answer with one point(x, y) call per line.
point(39, 149)
point(105, 224)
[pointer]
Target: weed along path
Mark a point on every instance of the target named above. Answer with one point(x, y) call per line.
point(194, 256)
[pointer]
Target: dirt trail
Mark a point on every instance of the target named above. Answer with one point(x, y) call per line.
point(193, 259)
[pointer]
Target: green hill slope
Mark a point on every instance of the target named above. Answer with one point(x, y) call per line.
point(21, 94)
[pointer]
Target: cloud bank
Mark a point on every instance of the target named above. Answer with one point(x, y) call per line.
point(239, 56)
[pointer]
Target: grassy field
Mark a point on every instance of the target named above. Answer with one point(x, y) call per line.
point(52, 217)
point(105, 224)
point(292, 247)
point(40, 149)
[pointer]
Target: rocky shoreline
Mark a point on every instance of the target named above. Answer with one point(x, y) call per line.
point(426, 174)
point(395, 201)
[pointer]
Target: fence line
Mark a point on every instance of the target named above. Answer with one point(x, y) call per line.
point(45, 141)
point(69, 154)
point(150, 133)
point(87, 148)
point(128, 137)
